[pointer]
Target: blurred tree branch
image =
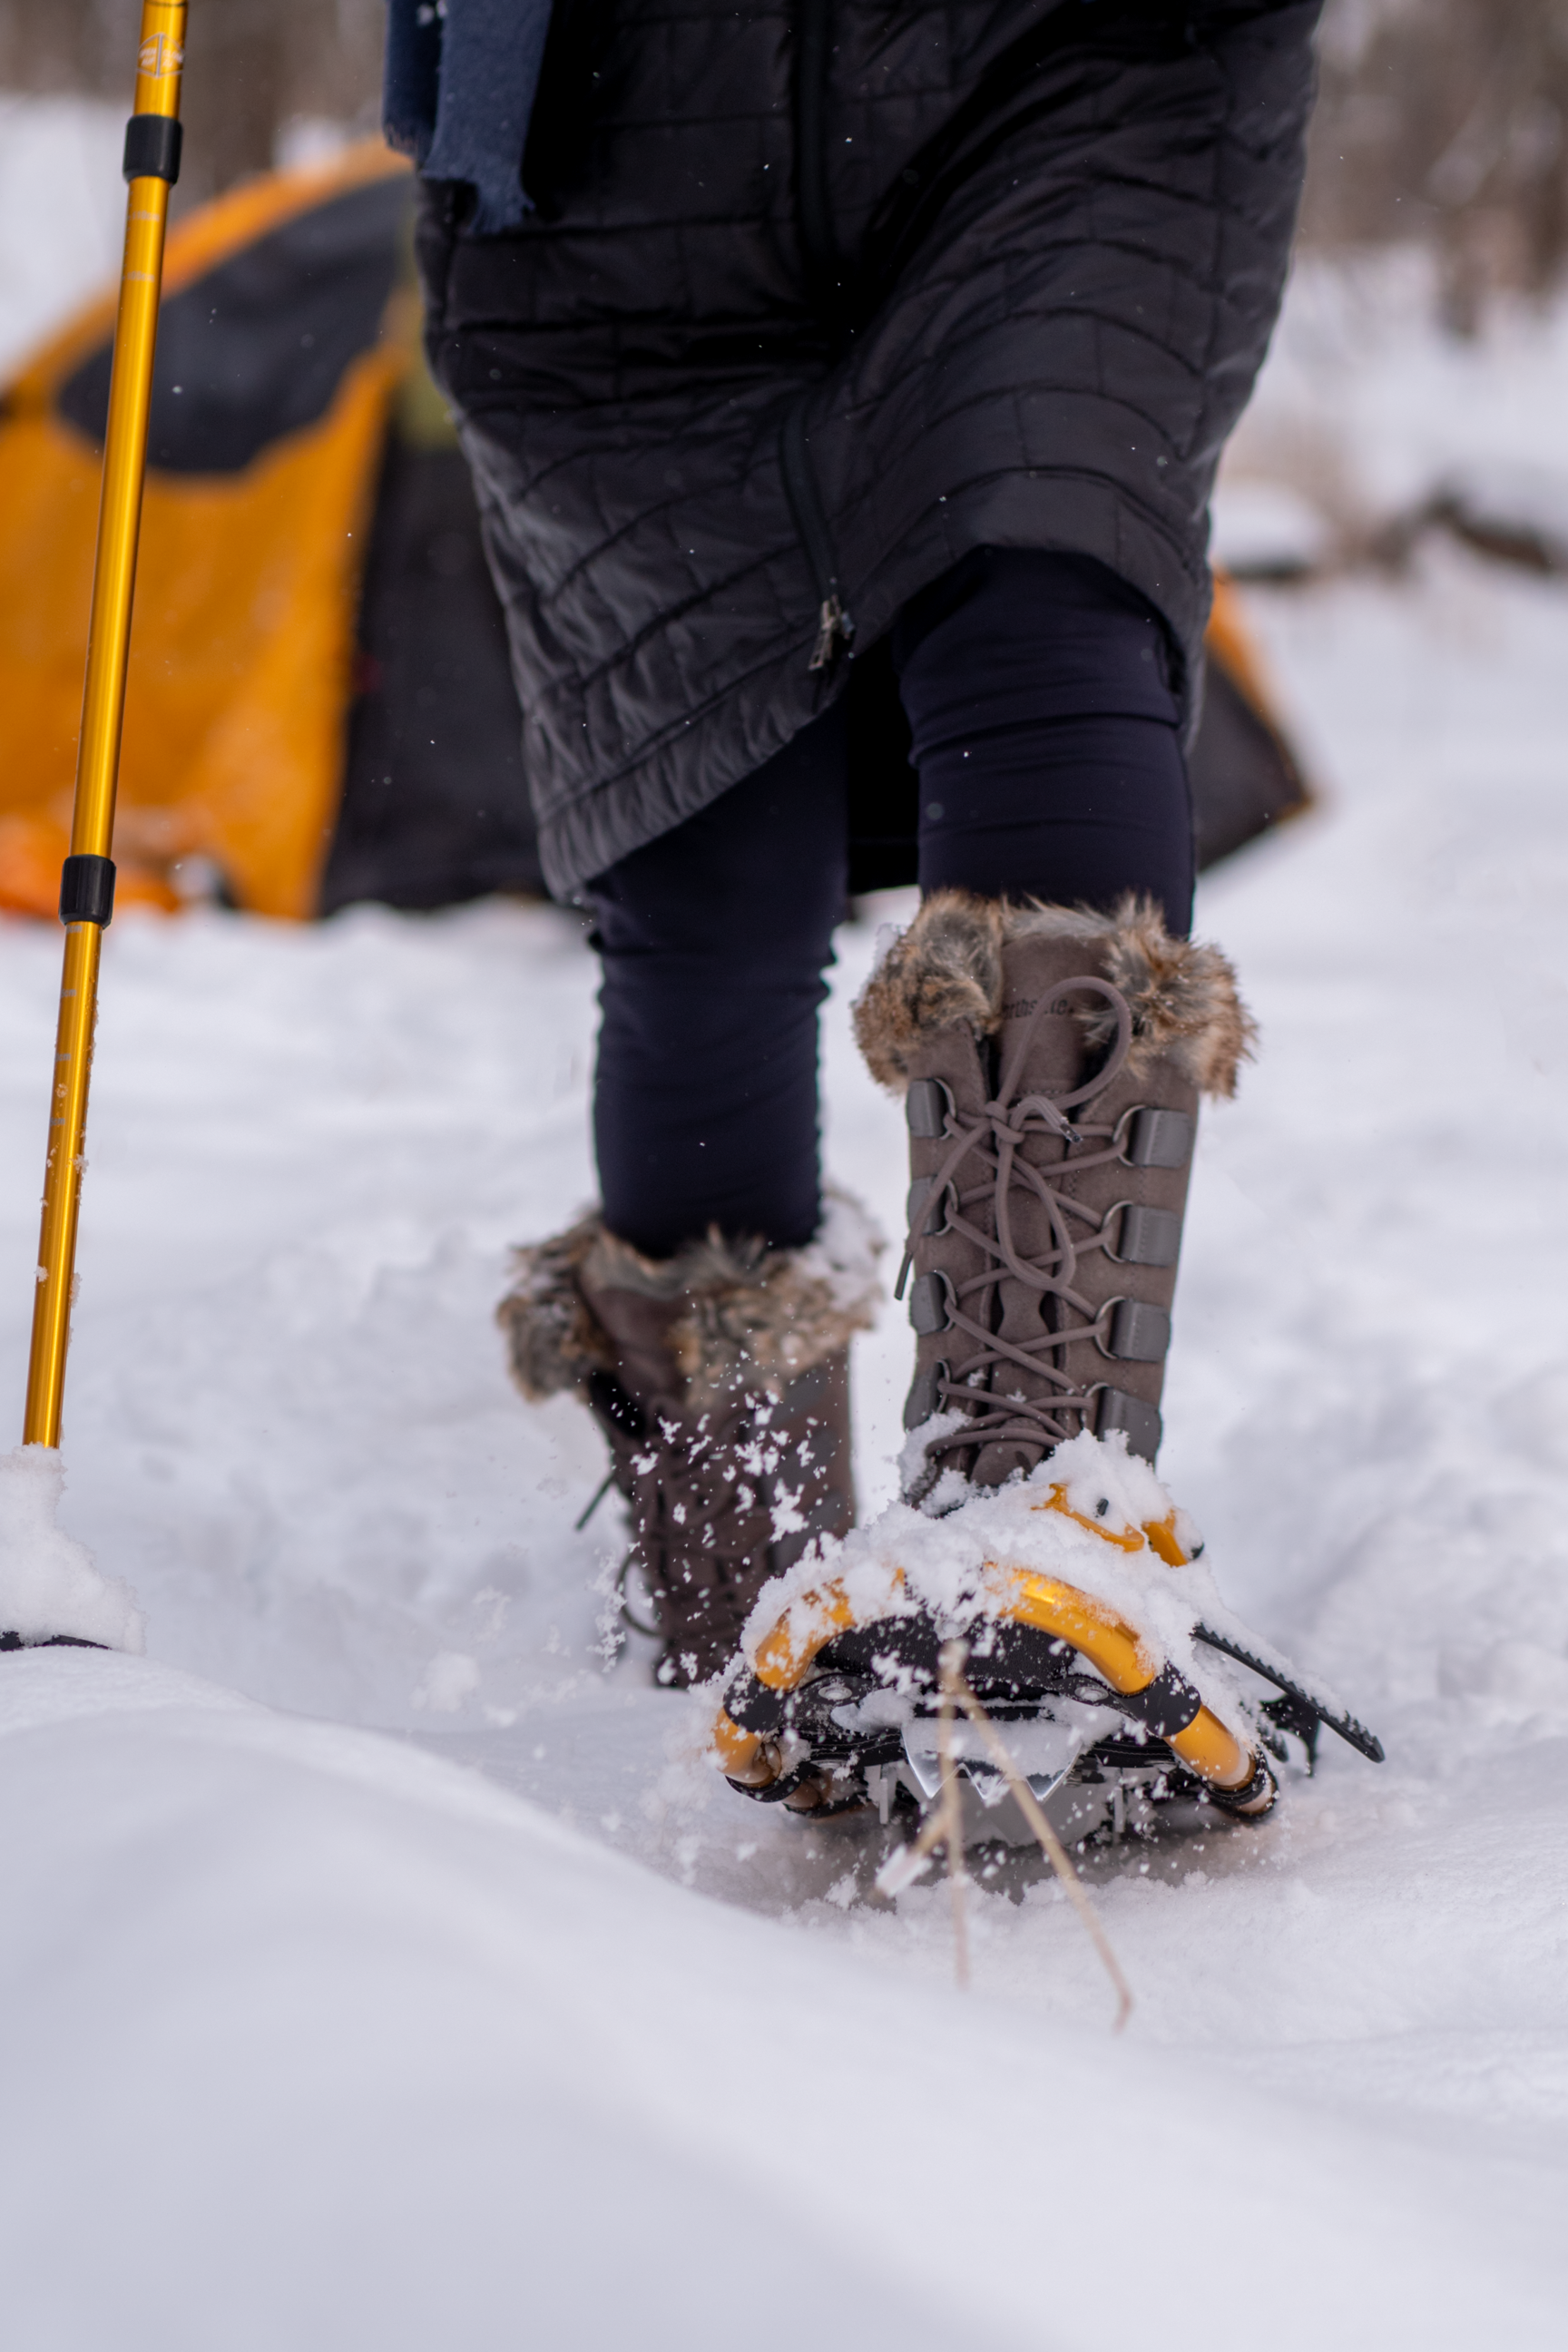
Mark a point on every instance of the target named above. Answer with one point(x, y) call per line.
point(1445, 122)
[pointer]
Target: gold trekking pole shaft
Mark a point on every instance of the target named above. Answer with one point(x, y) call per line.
point(86, 885)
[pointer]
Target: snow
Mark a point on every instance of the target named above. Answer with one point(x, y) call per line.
point(49, 1585)
point(62, 212)
point(1267, 530)
point(1368, 414)
point(328, 2042)
point(378, 1966)
point(451, 1677)
point(1504, 500)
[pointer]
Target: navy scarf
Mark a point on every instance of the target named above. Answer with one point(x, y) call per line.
point(460, 80)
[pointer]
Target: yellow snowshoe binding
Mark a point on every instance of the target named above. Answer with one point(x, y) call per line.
point(1096, 1640)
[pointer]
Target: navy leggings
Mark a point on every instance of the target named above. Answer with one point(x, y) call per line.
point(1044, 737)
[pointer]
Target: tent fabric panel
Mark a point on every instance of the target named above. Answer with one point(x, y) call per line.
point(256, 347)
point(1244, 775)
point(200, 243)
point(241, 649)
point(48, 524)
point(435, 805)
point(235, 721)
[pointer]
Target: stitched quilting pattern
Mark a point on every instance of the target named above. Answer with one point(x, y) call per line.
point(1048, 337)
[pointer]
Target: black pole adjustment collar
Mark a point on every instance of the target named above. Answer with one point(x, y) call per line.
point(152, 148)
point(86, 889)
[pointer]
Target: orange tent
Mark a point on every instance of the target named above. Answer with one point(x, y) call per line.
point(248, 582)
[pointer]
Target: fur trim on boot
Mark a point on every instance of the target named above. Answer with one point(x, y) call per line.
point(749, 1315)
point(554, 1341)
point(946, 971)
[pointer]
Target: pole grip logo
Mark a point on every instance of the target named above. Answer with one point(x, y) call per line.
point(159, 56)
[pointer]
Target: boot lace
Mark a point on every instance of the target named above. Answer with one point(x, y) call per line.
point(984, 1165)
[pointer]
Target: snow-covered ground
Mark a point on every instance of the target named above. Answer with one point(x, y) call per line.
point(379, 1966)
point(311, 2026)
point(1368, 412)
point(62, 212)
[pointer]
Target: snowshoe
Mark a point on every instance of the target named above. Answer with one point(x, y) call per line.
point(1096, 1642)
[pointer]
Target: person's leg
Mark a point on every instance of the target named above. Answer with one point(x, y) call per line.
point(1045, 736)
point(714, 939)
point(1046, 990)
point(710, 1343)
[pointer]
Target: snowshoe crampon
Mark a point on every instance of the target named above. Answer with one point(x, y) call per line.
point(1095, 1642)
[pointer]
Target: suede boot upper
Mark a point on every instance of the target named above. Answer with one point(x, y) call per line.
point(1052, 1062)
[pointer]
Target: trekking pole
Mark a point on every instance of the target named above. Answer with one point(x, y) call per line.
point(87, 884)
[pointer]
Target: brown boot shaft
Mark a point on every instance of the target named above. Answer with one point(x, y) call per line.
point(720, 1378)
point(1051, 1064)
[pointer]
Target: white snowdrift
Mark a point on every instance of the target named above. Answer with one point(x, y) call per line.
point(330, 2043)
point(48, 1583)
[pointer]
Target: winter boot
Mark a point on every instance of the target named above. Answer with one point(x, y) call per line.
point(1052, 1062)
point(720, 1378)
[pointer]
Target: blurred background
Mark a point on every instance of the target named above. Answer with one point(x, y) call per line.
point(1441, 121)
point(265, 79)
point(1414, 394)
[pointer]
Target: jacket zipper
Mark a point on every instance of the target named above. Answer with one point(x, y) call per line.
point(824, 272)
point(834, 627)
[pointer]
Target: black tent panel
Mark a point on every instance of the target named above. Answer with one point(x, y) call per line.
point(1244, 776)
point(258, 345)
point(434, 809)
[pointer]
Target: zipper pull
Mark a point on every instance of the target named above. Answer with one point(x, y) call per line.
point(834, 628)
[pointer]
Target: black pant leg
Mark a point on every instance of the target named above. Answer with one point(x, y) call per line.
point(1044, 726)
point(1046, 735)
point(714, 939)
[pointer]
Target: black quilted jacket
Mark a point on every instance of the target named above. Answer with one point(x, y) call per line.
point(821, 294)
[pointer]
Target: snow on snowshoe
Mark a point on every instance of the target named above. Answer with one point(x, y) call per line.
point(1097, 1643)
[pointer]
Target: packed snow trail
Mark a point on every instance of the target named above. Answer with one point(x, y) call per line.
point(259, 1972)
point(330, 2043)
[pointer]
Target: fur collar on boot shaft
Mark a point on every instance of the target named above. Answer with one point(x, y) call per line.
point(747, 1313)
point(946, 971)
